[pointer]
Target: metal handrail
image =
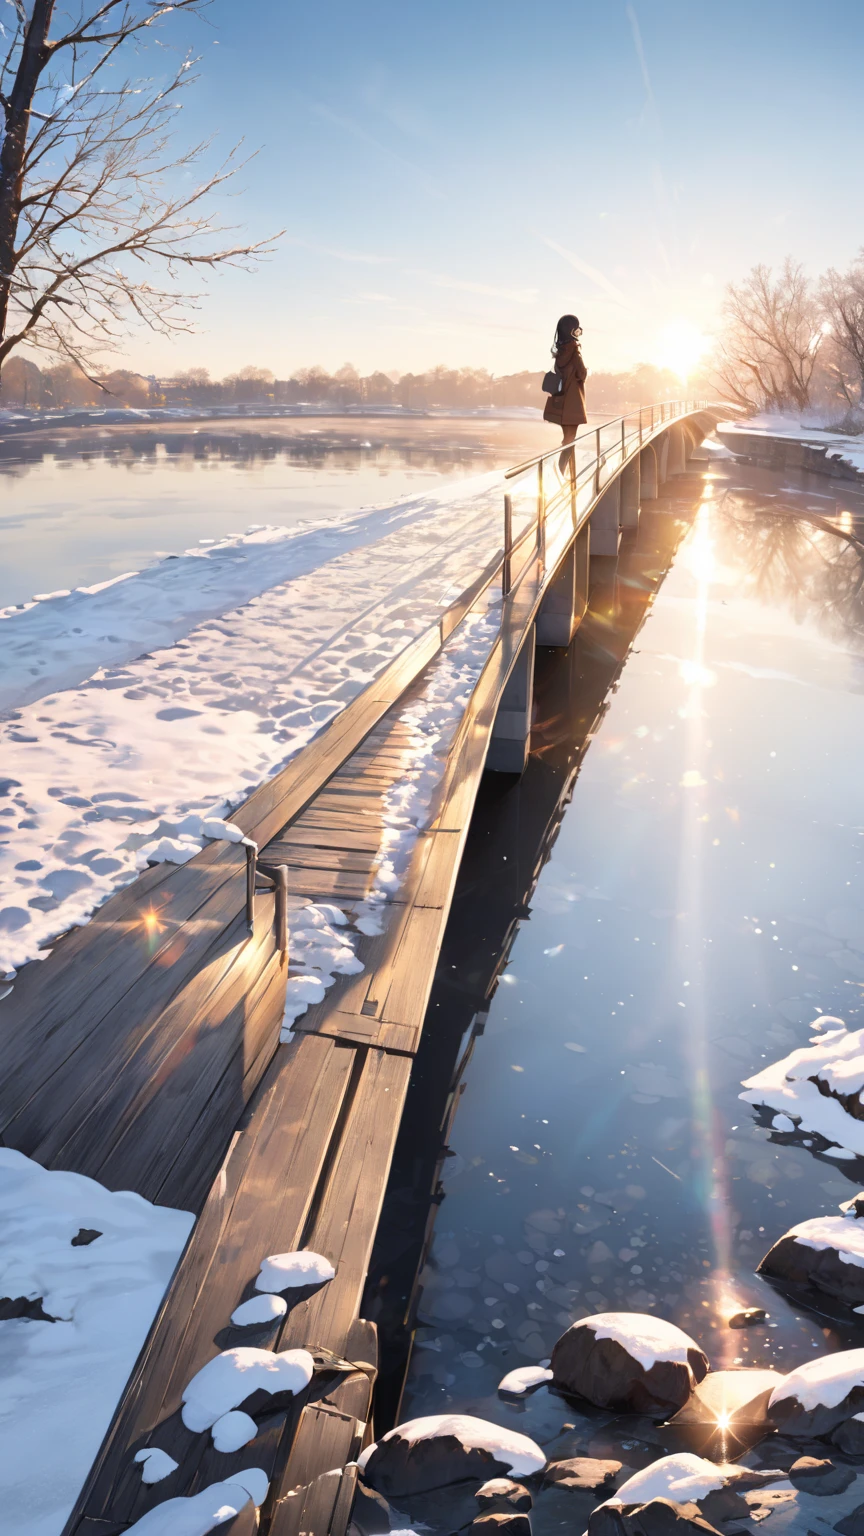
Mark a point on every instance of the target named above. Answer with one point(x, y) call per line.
point(658, 417)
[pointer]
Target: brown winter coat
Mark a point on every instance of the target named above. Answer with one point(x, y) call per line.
point(568, 408)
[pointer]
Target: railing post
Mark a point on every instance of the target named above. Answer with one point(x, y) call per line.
point(508, 546)
point(597, 463)
point(623, 442)
point(541, 512)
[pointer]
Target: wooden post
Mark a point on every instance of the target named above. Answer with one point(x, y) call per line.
point(508, 546)
point(511, 733)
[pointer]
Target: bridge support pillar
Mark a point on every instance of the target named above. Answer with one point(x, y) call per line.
point(511, 733)
point(676, 462)
point(649, 479)
point(606, 522)
point(661, 448)
point(563, 606)
point(631, 493)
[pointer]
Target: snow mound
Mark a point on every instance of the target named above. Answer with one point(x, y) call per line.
point(822, 1383)
point(725, 1396)
point(515, 1451)
point(836, 1232)
point(229, 1378)
point(646, 1339)
point(683, 1478)
point(60, 1381)
point(285, 1271)
point(204, 1511)
point(233, 1431)
point(523, 1379)
point(259, 1309)
point(155, 1464)
point(810, 1085)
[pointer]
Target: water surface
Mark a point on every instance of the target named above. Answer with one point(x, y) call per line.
point(615, 968)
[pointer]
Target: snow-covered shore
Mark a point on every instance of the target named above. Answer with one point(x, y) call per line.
point(96, 775)
point(837, 445)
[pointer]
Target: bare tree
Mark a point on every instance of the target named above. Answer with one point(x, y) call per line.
point(842, 297)
point(89, 199)
point(771, 339)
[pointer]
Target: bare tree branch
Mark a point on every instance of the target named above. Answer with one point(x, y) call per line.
point(92, 189)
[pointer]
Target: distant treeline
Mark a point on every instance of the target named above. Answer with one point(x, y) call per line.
point(24, 384)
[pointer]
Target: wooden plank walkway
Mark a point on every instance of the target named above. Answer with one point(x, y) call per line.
point(308, 1162)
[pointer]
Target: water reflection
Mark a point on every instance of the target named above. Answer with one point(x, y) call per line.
point(81, 506)
point(614, 969)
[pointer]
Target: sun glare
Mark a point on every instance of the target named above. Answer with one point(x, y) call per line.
point(681, 346)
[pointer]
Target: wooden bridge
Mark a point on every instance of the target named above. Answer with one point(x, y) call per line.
point(145, 1050)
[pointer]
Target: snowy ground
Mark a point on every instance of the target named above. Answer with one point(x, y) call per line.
point(99, 1263)
point(839, 445)
point(264, 638)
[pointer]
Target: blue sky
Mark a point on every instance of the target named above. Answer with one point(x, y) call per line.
point(453, 176)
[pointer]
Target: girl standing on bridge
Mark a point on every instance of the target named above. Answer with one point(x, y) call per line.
point(566, 409)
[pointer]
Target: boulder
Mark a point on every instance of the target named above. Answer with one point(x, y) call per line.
point(628, 1361)
point(821, 1477)
point(748, 1318)
point(849, 1436)
point(815, 1399)
point(583, 1472)
point(502, 1494)
point(442, 1449)
point(658, 1517)
point(825, 1255)
point(501, 1523)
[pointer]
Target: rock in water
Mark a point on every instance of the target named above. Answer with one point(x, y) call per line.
point(501, 1523)
point(628, 1361)
point(825, 1254)
point(441, 1449)
point(659, 1517)
point(583, 1472)
point(748, 1318)
point(819, 1396)
point(502, 1494)
point(822, 1478)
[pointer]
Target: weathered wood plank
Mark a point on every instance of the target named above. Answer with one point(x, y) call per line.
point(257, 1205)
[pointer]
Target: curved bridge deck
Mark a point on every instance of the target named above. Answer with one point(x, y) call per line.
point(145, 1051)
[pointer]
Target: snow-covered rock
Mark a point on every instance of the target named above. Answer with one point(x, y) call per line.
point(818, 1086)
point(524, 1379)
point(628, 1361)
point(202, 1512)
point(658, 1517)
point(502, 1493)
point(231, 1377)
point(60, 1381)
point(435, 1451)
point(287, 1271)
point(811, 1474)
point(728, 1397)
point(683, 1478)
point(815, 1399)
point(706, 1490)
point(500, 1522)
point(826, 1253)
point(849, 1436)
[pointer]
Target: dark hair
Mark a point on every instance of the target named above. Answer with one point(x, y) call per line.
point(564, 331)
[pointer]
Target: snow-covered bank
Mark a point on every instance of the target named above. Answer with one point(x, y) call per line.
point(59, 639)
point(817, 1088)
point(96, 776)
point(100, 1263)
point(837, 445)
